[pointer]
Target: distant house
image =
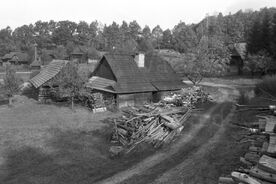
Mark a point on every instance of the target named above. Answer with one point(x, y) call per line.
point(16, 58)
point(133, 78)
point(238, 54)
point(79, 54)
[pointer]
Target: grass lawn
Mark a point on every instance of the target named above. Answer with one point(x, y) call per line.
point(51, 144)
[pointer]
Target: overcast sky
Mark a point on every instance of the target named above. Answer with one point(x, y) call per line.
point(166, 13)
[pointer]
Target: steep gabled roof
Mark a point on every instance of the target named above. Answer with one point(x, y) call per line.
point(79, 50)
point(239, 49)
point(16, 56)
point(156, 75)
point(47, 73)
point(160, 73)
point(129, 78)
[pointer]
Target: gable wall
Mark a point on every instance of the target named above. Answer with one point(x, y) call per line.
point(104, 70)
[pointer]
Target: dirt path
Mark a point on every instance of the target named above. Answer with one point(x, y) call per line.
point(181, 157)
point(160, 157)
point(183, 171)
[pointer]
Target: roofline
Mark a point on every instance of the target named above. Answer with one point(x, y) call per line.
point(99, 63)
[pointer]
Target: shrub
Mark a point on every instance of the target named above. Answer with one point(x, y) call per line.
point(267, 85)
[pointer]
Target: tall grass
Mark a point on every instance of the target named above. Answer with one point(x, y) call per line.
point(267, 85)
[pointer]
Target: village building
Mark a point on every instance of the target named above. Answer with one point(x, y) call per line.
point(43, 80)
point(238, 54)
point(134, 78)
point(16, 58)
point(79, 54)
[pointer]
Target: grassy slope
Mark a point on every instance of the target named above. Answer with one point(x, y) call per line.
point(50, 144)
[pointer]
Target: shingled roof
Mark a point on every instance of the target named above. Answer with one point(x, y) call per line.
point(16, 57)
point(239, 49)
point(47, 73)
point(160, 73)
point(157, 75)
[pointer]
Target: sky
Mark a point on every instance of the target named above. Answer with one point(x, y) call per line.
point(166, 13)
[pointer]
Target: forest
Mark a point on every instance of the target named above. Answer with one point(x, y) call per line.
point(214, 32)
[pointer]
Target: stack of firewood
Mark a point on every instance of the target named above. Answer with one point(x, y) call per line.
point(259, 163)
point(188, 97)
point(150, 124)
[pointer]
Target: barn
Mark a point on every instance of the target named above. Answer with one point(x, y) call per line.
point(238, 53)
point(133, 79)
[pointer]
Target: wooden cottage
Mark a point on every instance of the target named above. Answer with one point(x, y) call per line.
point(238, 53)
point(79, 54)
point(16, 58)
point(133, 78)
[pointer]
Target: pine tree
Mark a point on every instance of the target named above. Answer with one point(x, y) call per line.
point(265, 32)
point(254, 39)
point(273, 36)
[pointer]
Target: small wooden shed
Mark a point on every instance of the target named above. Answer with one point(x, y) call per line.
point(238, 53)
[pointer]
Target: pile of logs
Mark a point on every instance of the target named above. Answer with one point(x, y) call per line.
point(150, 124)
point(188, 97)
point(260, 160)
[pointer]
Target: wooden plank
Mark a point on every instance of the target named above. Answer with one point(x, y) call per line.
point(252, 157)
point(170, 123)
point(226, 180)
point(270, 124)
point(255, 149)
point(268, 164)
point(241, 177)
point(272, 144)
point(263, 175)
point(265, 147)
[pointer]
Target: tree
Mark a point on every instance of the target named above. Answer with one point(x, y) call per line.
point(60, 52)
point(24, 37)
point(42, 34)
point(273, 36)
point(6, 41)
point(64, 32)
point(83, 33)
point(254, 38)
point(11, 82)
point(258, 63)
point(167, 39)
point(145, 45)
point(125, 31)
point(112, 36)
point(146, 32)
point(157, 34)
point(265, 32)
point(70, 82)
point(210, 59)
point(184, 39)
point(135, 30)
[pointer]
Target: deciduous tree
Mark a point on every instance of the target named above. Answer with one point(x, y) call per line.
point(11, 82)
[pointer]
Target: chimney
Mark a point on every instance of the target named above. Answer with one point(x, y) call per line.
point(140, 59)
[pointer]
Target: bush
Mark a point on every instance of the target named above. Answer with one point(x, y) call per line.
point(267, 85)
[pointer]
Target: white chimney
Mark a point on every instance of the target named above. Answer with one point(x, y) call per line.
point(140, 59)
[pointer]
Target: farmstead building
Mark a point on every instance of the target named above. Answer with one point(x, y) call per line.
point(134, 78)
